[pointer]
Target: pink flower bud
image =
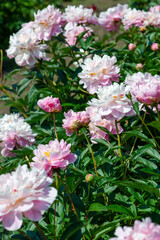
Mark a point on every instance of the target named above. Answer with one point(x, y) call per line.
point(131, 46)
point(89, 177)
point(139, 66)
point(155, 46)
point(50, 104)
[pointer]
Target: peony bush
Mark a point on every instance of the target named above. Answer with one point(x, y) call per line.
point(80, 147)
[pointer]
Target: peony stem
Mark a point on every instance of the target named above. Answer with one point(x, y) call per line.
point(54, 122)
point(25, 235)
point(40, 230)
point(1, 66)
point(91, 151)
point(118, 137)
point(74, 209)
point(158, 112)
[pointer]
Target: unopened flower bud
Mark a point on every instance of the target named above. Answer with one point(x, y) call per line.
point(50, 104)
point(89, 177)
point(139, 66)
point(131, 46)
point(155, 47)
point(142, 29)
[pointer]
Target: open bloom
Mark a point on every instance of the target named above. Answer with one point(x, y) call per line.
point(79, 15)
point(53, 155)
point(145, 87)
point(133, 17)
point(111, 19)
point(99, 71)
point(14, 134)
point(48, 23)
point(75, 120)
point(145, 230)
point(72, 30)
point(24, 192)
point(112, 102)
point(155, 9)
point(96, 121)
point(152, 18)
point(50, 104)
point(25, 47)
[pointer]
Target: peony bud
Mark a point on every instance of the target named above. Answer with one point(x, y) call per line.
point(155, 47)
point(89, 177)
point(131, 46)
point(139, 66)
point(50, 104)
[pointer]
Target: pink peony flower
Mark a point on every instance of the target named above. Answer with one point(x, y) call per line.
point(155, 9)
point(133, 17)
point(139, 66)
point(131, 46)
point(145, 230)
point(25, 47)
point(99, 71)
point(14, 134)
point(50, 104)
point(155, 47)
point(111, 19)
point(152, 18)
point(80, 15)
point(24, 192)
point(112, 103)
point(53, 155)
point(145, 87)
point(75, 120)
point(72, 30)
point(48, 23)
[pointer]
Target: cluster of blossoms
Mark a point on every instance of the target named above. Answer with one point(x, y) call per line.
point(144, 87)
point(24, 192)
point(53, 155)
point(145, 230)
point(112, 18)
point(74, 121)
point(14, 133)
point(99, 71)
point(25, 45)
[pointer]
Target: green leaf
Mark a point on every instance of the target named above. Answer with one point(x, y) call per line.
point(155, 124)
point(97, 207)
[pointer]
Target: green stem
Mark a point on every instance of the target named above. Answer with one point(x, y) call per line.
point(40, 230)
point(158, 112)
point(89, 187)
point(149, 132)
point(54, 122)
point(1, 66)
point(91, 151)
point(118, 137)
point(73, 207)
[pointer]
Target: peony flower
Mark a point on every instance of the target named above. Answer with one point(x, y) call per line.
point(145, 87)
point(112, 102)
point(111, 19)
point(75, 120)
point(24, 192)
point(99, 71)
point(48, 23)
point(14, 134)
point(133, 17)
point(80, 15)
point(72, 30)
point(53, 155)
point(145, 230)
point(131, 46)
point(155, 9)
point(155, 47)
point(25, 47)
point(50, 104)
